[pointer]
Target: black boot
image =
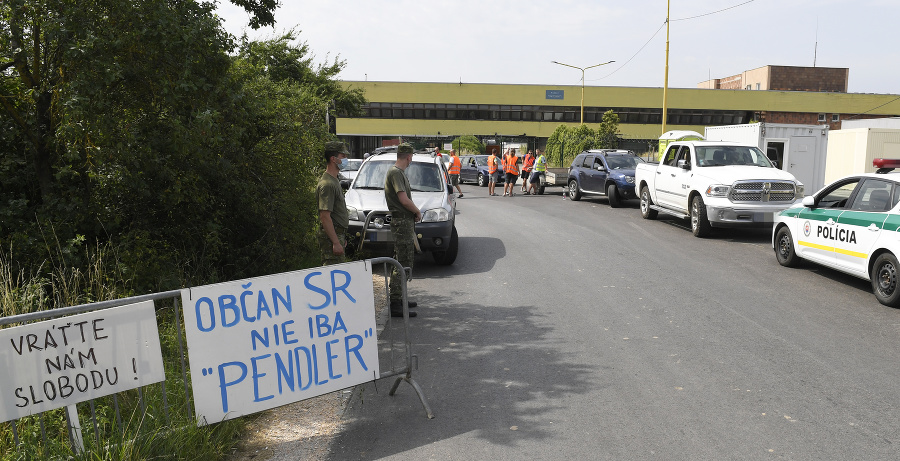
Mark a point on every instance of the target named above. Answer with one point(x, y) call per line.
point(397, 308)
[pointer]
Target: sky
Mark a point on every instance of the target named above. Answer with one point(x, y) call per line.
point(514, 41)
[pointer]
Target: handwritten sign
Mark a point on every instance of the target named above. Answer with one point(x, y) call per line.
point(60, 362)
point(265, 342)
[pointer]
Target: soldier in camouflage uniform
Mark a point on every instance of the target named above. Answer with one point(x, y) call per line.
point(333, 216)
point(404, 216)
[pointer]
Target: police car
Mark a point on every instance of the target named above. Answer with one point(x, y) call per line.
point(852, 225)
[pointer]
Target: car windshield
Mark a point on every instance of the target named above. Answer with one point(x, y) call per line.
point(622, 162)
point(731, 155)
point(352, 164)
point(423, 177)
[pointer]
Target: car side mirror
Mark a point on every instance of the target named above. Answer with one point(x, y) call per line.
point(449, 189)
point(809, 201)
point(601, 168)
point(345, 184)
point(684, 165)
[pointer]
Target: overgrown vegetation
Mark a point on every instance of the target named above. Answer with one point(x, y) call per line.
point(142, 149)
point(567, 141)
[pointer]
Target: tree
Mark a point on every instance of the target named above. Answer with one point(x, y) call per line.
point(608, 131)
point(566, 141)
point(468, 144)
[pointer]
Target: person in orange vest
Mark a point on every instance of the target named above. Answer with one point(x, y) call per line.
point(511, 167)
point(455, 166)
point(493, 171)
point(527, 164)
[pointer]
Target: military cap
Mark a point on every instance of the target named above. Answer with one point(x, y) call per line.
point(336, 146)
point(405, 148)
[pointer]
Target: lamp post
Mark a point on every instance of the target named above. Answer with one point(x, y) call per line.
point(582, 69)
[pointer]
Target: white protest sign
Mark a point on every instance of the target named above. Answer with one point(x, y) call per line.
point(261, 343)
point(60, 362)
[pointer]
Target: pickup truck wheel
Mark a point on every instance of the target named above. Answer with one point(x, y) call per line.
point(784, 248)
point(884, 280)
point(699, 223)
point(482, 181)
point(541, 190)
point(448, 256)
point(612, 193)
point(574, 193)
point(646, 211)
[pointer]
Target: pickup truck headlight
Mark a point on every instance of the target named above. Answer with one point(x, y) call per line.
point(800, 190)
point(436, 215)
point(629, 179)
point(718, 190)
point(354, 215)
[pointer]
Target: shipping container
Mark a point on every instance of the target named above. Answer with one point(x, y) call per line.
point(852, 151)
point(798, 149)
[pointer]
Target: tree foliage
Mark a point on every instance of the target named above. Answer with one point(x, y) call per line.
point(131, 123)
point(467, 144)
point(567, 141)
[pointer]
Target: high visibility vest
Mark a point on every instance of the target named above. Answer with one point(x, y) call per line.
point(541, 164)
point(509, 164)
point(454, 165)
point(492, 164)
point(529, 162)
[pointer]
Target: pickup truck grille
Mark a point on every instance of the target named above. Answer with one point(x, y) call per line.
point(762, 191)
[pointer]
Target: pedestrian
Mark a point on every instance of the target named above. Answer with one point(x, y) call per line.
point(540, 167)
point(527, 165)
point(333, 216)
point(493, 171)
point(511, 168)
point(404, 216)
point(437, 152)
point(455, 166)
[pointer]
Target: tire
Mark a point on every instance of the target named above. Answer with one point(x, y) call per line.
point(784, 248)
point(541, 190)
point(612, 193)
point(448, 256)
point(574, 193)
point(482, 181)
point(646, 201)
point(885, 282)
point(699, 222)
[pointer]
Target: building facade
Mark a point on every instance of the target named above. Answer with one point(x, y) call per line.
point(429, 114)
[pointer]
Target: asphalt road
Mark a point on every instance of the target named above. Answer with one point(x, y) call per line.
point(571, 330)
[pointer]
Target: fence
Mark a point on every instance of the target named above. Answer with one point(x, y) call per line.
point(163, 305)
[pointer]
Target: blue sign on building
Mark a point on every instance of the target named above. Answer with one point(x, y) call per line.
point(555, 94)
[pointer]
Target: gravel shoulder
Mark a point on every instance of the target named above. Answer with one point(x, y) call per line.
point(306, 429)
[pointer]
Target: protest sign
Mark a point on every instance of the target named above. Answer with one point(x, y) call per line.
point(260, 343)
point(60, 362)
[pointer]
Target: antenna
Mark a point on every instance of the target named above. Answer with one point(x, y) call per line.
point(816, 48)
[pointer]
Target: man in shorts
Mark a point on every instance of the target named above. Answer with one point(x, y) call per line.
point(540, 166)
point(511, 168)
point(527, 165)
point(454, 168)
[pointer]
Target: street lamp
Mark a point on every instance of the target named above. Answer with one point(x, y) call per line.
point(582, 69)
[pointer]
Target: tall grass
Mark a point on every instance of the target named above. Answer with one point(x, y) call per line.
point(144, 428)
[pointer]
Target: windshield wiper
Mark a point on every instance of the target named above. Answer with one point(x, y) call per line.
point(369, 187)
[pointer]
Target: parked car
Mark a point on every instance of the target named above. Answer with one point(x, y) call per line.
point(370, 220)
point(716, 184)
point(850, 225)
point(604, 172)
point(349, 172)
point(475, 169)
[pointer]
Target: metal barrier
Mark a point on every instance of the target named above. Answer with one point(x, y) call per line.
point(402, 370)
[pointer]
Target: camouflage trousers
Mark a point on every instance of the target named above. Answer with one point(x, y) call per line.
point(403, 231)
point(326, 249)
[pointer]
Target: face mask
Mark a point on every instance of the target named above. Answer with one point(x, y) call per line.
point(344, 162)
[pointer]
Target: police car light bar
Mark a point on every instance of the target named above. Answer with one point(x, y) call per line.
point(885, 165)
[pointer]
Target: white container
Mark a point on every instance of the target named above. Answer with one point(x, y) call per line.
point(798, 149)
point(852, 151)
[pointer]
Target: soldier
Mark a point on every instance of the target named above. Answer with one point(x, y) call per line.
point(404, 216)
point(333, 216)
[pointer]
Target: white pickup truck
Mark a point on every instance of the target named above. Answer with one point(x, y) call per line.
point(715, 184)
